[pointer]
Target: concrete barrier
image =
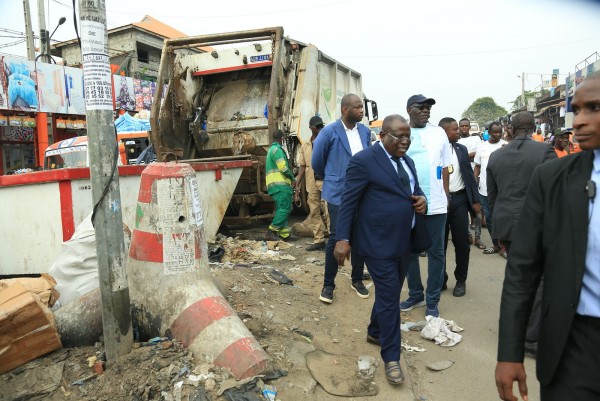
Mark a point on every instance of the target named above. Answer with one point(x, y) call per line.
point(169, 281)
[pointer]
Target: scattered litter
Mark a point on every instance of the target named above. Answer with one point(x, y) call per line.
point(91, 361)
point(366, 366)
point(442, 331)
point(216, 255)
point(274, 374)
point(246, 390)
point(303, 333)
point(280, 277)
point(81, 382)
point(287, 257)
point(269, 392)
point(417, 326)
point(410, 348)
point(440, 365)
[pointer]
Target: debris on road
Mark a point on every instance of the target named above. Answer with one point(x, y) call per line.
point(440, 365)
point(442, 331)
point(339, 374)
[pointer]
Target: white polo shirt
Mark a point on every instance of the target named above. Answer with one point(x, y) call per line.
point(431, 152)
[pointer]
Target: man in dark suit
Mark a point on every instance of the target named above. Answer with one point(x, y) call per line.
point(509, 172)
point(558, 236)
point(463, 199)
point(381, 196)
point(332, 151)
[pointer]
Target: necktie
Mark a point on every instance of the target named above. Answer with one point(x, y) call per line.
point(404, 179)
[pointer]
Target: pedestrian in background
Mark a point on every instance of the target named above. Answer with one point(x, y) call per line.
point(332, 150)
point(280, 183)
point(431, 153)
point(318, 214)
point(558, 237)
point(482, 157)
point(471, 142)
point(464, 198)
point(376, 217)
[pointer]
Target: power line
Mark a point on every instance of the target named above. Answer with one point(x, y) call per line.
point(243, 15)
point(18, 42)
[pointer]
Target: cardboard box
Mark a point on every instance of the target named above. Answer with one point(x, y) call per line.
point(27, 329)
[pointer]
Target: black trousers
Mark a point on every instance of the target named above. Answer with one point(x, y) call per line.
point(457, 222)
point(576, 377)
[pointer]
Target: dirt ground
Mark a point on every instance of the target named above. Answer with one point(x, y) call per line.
point(287, 320)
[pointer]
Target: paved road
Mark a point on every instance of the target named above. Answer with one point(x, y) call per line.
point(472, 375)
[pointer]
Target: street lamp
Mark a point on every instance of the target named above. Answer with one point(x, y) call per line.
point(45, 38)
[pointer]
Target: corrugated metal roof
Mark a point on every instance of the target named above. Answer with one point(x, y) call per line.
point(152, 24)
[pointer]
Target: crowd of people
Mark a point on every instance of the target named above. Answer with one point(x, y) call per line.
point(421, 183)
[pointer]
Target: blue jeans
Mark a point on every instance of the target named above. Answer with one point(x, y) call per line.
point(488, 217)
point(436, 225)
point(331, 264)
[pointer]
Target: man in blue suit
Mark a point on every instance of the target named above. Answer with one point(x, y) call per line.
point(332, 151)
point(376, 217)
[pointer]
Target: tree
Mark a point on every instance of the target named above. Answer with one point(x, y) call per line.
point(518, 102)
point(484, 110)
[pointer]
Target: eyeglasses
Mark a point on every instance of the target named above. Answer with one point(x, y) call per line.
point(422, 106)
point(404, 138)
point(320, 126)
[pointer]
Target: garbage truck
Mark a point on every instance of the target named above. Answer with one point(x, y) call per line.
point(225, 102)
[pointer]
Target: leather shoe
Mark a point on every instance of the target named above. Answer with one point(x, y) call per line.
point(393, 373)
point(460, 289)
point(316, 247)
point(373, 340)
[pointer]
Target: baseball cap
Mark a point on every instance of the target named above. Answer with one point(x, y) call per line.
point(315, 120)
point(419, 99)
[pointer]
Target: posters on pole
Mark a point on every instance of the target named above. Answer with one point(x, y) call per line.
point(51, 88)
point(124, 93)
point(137, 89)
point(96, 66)
point(74, 90)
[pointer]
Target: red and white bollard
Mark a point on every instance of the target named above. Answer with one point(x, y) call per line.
point(169, 281)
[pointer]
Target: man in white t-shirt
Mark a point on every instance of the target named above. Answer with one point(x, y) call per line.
point(482, 156)
point(431, 152)
point(471, 143)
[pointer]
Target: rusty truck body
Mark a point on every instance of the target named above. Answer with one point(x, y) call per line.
point(225, 103)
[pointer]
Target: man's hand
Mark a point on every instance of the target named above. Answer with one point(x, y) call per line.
point(476, 208)
point(341, 252)
point(506, 374)
point(419, 204)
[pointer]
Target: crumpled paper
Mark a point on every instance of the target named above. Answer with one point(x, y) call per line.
point(442, 331)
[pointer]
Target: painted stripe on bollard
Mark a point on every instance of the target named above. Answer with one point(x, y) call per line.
point(198, 316)
point(243, 354)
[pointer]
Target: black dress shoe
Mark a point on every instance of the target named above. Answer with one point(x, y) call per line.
point(393, 373)
point(373, 340)
point(444, 287)
point(316, 247)
point(460, 289)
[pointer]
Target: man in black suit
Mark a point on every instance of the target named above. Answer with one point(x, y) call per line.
point(463, 199)
point(509, 171)
point(558, 236)
point(381, 195)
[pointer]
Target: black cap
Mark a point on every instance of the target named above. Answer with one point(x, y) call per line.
point(419, 99)
point(314, 121)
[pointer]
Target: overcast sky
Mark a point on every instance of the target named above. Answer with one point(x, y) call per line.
point(454, 51)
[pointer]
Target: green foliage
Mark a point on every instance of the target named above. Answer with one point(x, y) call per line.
point(518, 102)
point(484, 110)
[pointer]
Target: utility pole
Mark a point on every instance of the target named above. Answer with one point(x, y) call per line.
point(103, 151)
point(28, 31)
point(523, 90)
point(44, 39)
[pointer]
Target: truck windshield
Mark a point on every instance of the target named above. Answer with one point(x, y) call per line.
point(74, 156)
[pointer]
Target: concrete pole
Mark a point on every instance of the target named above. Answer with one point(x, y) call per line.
point(28, 31)
point(102, 148)
point(523, 90)
point(44, 45)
